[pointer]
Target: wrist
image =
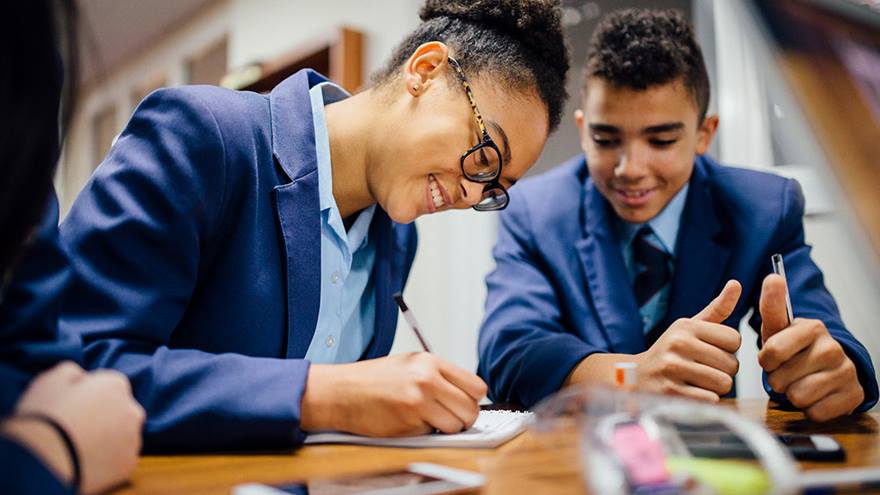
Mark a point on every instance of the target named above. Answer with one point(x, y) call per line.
point(319, 410)
point(44, 442)
point(598, 368)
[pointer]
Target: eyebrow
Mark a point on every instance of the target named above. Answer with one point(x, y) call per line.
point(671, 126)
point(654, 129)
point(505, 144)
point(610, 129)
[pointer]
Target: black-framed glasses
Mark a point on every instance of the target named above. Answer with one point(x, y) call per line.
point(482, 163)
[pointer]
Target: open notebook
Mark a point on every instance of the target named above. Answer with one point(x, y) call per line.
point(492, 428)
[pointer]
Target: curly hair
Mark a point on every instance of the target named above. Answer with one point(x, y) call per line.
point(640, 48)
point(519, 42)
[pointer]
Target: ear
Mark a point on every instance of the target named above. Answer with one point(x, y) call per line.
point(428, 62)
point(706, 133)
point(579, 121)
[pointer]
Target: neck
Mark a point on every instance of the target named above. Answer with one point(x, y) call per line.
point(349, 127)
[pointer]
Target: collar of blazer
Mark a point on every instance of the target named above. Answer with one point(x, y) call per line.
point(293, 142)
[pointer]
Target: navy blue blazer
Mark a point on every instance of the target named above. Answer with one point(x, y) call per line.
point(29, 339)
point(197, 248)
point(29, 344)
point(560, 291)
point(23, 473)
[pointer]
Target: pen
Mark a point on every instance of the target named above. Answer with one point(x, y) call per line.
point(411, 319)
point(779, 269)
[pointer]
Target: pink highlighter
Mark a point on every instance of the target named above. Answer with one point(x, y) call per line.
point(642, 457)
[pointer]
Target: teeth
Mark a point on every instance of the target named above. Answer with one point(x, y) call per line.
point(436, 195)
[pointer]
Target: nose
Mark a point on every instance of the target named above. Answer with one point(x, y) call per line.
point(471, 192)
point(633, 164)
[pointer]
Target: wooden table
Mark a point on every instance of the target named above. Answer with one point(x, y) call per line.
point(524, 465)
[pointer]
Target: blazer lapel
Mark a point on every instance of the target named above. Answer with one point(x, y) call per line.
point(297, 205)
point(701, 253)
point(610, 291)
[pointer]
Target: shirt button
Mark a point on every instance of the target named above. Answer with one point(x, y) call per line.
point(334, 278)
point(330, 341)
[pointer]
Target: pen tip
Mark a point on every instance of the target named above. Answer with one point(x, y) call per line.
point(398, 298)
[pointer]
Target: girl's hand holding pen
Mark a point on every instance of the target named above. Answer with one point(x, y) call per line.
point(400, 395)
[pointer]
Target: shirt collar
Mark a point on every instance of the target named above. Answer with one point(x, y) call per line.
point(665, 224)
point(322, 94)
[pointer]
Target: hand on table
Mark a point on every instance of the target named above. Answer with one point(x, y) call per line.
point(695, 357)
point(803, 361)
point(406, 394)
point(99, 413)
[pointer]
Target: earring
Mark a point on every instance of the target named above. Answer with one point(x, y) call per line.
point(416, 87)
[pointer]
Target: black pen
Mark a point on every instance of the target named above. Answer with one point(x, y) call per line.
point(411, 319)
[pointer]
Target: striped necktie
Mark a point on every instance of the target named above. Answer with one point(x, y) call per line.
point(653, 277)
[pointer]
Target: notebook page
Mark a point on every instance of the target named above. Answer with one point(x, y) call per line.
point(492, 428)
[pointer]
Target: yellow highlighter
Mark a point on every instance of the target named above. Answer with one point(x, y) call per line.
point(724, 477)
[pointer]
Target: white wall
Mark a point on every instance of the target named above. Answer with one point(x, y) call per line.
point(263, 29)
point(166, 58)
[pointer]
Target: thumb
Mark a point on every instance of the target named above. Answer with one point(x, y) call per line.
point(772, 306)
point(66, 372)
point(720, 308)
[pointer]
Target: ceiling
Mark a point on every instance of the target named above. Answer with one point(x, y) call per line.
point(113, 31)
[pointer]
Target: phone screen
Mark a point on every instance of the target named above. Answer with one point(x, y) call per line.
point(714, 440)
point(798, 441)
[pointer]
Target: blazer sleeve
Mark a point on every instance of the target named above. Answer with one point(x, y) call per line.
point(29, 338)
point(526, 351)
point(139, 236)
point(809, 296)
point(22, 473)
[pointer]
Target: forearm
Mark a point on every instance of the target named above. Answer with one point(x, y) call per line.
point(43, 441)
point(197, 400)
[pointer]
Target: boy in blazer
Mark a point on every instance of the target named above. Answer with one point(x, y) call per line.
point(645, 249)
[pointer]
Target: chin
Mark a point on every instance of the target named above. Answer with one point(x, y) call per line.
point(640, 215)
point(402, 215)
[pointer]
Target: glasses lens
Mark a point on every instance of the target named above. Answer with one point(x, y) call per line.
point(481, 164)
point(494, 198)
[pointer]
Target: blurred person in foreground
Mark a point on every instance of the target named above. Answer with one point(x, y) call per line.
point(62, 430)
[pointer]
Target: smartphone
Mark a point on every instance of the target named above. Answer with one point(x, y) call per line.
point(813, 447)
point(714, 440)
point(418, 479)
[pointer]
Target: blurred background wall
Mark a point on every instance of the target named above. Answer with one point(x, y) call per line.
point(131, 48)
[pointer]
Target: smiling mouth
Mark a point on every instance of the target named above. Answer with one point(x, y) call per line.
point(437, 196)
point(635, 197)
point(634, 194)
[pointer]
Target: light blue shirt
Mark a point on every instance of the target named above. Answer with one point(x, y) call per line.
point(665, 232)
point(347, 312)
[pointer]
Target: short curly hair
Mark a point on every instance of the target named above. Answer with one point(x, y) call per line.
point(641, 48)
point(519, 42)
